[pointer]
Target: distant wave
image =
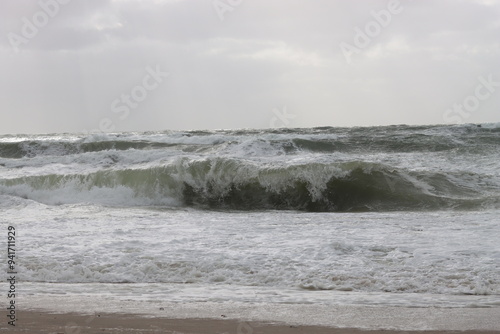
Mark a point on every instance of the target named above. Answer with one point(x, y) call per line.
point(290, 141)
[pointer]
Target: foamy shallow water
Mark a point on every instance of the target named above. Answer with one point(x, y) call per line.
point(429, 259)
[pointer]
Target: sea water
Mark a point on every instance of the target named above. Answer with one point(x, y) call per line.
point(399, 216)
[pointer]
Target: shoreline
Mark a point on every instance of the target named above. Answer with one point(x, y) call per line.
point(44, 322)
point(53, 313)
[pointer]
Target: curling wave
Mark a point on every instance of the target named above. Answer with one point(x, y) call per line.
point(221, 183)
point(317, 169)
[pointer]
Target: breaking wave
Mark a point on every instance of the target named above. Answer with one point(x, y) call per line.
point(318, 169)
point(221, 183)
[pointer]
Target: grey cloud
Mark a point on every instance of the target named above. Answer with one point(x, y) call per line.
point(232, 73)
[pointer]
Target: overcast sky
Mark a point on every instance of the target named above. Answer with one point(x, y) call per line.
point(131, 65)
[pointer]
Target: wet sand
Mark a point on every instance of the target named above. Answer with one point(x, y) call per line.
point(73, 323)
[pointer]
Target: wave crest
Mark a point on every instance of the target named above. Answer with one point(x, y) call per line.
point(224, 183)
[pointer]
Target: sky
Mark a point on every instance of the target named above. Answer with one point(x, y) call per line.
point(151, 65)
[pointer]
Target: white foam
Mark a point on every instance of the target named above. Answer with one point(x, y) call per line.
point(71, 192)
point(442, 254)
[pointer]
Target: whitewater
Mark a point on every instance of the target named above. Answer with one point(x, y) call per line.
point(393, 216)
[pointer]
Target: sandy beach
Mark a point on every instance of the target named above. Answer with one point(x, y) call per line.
point(84, 314)
point(73, 323)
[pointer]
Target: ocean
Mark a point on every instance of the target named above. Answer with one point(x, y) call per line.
point(391, 216)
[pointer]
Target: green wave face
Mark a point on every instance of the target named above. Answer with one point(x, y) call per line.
point(230, 184)
point(318, 169)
